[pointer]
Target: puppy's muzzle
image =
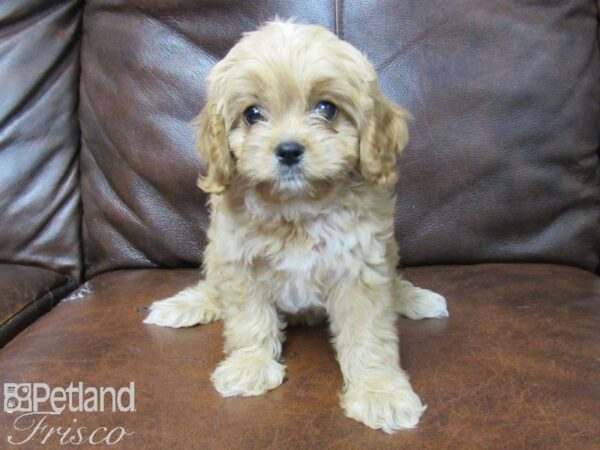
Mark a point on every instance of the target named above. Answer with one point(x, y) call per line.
point(289, 153)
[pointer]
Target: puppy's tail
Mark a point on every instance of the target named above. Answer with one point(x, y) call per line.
point(192, 306)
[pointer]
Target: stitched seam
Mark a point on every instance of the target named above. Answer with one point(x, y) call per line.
point(338, 6)
point(18, 323)
point(335, 17)
point(339, 23)
point(55, 295)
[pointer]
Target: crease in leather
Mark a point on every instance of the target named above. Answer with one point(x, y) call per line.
point(13, 25)
point(597, 271)
point(39, 130)
point(124, 209)
point(337, 17)
point(48, 77)
point(34, 310)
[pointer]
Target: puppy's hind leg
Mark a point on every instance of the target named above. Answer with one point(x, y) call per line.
point(417, 303)
point(194, 305)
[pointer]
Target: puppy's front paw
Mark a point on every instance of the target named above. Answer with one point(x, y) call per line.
point(247, 373)
point(387, 406)
point(192, 306)
point(417, 303)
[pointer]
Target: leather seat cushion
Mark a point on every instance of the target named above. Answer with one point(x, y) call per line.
point(516, 363)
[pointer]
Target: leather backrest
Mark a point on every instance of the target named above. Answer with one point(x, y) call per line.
point(142, 81)
point(502, 163)
point(39, 134)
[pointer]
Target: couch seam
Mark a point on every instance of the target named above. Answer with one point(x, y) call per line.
point(82, 267)
point(53, 295)
point(597, 269)
point(337, 12)
point(50, 292)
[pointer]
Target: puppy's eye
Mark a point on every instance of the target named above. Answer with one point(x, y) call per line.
point(326, 109)
point(252, 114)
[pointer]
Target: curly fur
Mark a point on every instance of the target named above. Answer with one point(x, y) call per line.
point(312, 242)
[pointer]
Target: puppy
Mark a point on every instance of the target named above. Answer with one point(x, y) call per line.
point(300, 145)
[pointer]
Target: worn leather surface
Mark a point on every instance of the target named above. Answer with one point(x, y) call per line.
point(514, 366)
point(25, 294)
point(502, 165)
point(39, 134)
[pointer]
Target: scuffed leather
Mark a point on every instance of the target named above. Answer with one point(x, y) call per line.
point(514, 366)
point(39, 134)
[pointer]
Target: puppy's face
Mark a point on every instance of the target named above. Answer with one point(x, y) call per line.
point(292, 110)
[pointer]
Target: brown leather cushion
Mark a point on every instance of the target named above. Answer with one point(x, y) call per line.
point(514, 366)
point(25, 294)
point(39, 134)
point(502, 165)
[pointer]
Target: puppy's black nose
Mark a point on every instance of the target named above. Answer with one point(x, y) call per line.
point(289, 153)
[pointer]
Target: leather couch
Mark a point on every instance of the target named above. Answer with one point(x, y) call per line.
point(498, 210)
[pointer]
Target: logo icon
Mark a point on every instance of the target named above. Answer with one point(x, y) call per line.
point(17, 397)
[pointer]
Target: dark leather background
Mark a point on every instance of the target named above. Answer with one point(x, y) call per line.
point(39, 134)
point(503, 162)
point(502, 165)
point(143, 69)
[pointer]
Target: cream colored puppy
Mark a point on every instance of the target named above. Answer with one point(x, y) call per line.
point(300, 145)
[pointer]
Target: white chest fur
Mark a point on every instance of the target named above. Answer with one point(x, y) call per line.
point(306, 268)
point(301, 251)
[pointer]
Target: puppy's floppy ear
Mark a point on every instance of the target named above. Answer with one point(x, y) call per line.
point(383, 136)
point(212, 146)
